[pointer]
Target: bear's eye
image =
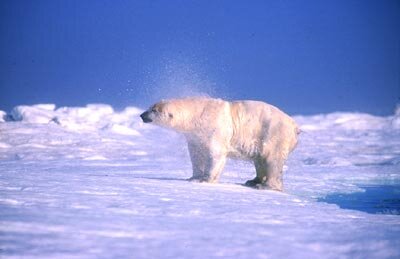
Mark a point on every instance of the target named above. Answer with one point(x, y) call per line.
point(170, 115)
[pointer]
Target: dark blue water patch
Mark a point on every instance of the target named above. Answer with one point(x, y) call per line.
point(375, 199)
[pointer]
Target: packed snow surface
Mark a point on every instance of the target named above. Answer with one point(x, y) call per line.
point(91, 182)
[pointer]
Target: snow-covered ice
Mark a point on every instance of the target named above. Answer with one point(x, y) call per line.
point(91, 182)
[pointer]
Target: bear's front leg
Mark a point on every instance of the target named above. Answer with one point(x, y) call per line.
point(208, 159)
point(212, 171)
point(199, 159)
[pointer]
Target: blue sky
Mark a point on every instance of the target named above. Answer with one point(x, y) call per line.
point(303, 56)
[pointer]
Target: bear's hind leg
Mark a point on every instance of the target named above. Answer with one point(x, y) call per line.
point(269, 174)
point(275, 174)
point(261, 170)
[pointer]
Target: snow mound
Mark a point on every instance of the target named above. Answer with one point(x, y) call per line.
point(91, 114)
point(121, 129)
point(92, 117)
point(103, 116)
point(347, 121)
point(3, 116)
point(396, 118)
point(40, 114)
point(357, 121)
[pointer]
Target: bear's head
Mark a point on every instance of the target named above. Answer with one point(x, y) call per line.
point(161, 113)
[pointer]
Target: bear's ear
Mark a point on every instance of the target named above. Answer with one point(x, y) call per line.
point(170, 115)
point(157, 108)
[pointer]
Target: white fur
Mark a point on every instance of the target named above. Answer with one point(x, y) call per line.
point(216, 129)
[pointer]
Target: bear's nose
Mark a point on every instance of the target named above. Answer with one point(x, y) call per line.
point(145, 117)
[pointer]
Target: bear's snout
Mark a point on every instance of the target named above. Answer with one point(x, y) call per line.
point(145, 117)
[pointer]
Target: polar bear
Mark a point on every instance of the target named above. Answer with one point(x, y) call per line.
point(216, 130)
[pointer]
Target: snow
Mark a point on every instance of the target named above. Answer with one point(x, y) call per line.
point(3, 115)
point(92, 182)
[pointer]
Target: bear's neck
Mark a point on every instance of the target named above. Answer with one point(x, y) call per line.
point(189, 122)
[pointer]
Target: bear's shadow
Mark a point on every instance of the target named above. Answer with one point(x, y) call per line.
point(256, 187)
point(162, 178)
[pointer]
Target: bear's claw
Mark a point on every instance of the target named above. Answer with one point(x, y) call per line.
point(197, 179)
point(253, 183)
point(257, 184)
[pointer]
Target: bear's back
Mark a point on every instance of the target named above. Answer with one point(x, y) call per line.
point(254, 122)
